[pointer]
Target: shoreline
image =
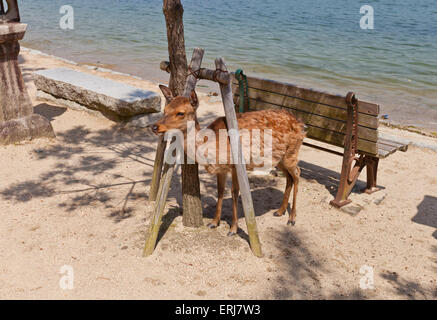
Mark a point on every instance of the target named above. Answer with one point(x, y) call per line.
point(156, 77)
point(405, 117)
point(206, 89)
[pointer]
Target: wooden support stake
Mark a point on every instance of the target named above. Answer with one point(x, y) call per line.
point(196, 63)
point(237, 156)
point(157, 168)
point(155, 224)
point(164, 186)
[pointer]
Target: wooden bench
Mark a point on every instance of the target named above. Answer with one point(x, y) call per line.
point(336, 120)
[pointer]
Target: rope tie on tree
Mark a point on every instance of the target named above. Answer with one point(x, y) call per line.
point(215, 74)
point(195, 73)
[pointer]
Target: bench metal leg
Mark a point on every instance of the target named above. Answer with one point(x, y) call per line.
point(348, 179)
point(349, 173)
point(372, 173)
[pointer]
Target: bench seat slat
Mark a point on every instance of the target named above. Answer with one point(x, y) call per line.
point(387, 147)
point(383, 154)
point(398, 145)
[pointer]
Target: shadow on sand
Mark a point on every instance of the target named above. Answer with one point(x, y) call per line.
point(326, 177)
point(101, 155)
point(302, 271)
point(427, 213)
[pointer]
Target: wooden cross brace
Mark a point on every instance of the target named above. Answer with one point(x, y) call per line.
point(161, 184)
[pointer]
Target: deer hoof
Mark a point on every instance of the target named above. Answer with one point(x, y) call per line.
point(291, 223)
point(277, 214)
point(231, 234)
point(211, 225)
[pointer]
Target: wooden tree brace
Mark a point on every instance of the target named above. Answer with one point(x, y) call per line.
point(223, 77)
point(165, 180)
point(157, 168)
point(237, 154)
point(218, 75)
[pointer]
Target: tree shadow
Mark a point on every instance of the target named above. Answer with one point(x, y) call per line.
point(48, 111)
point(299, 267)
point(167, 220)
point(138, 94)
point(427, 213)
point(264, 201)
point(406, 289)
point(87, 166)
point(329, 178)
point(265, 198)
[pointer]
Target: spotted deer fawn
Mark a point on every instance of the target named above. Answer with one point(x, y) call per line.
point(287, 138)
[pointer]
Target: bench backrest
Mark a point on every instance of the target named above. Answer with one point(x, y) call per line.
point(324, 114)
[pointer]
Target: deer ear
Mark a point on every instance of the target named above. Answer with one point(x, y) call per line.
point(193, 99)
point(167, 93)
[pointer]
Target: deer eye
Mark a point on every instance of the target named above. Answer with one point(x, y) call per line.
point(180, 114)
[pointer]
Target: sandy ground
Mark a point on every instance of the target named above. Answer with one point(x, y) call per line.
point(82, 201)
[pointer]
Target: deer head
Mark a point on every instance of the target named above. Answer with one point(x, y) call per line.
point(177, 112)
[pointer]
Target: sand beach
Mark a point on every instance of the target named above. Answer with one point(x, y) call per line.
point(81, 200)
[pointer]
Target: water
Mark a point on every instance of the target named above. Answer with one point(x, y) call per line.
point(313, 43)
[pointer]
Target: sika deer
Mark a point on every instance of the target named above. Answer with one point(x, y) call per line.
point(287, 137)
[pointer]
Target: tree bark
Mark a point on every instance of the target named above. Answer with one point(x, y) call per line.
point(164, 184)
point(173, 12)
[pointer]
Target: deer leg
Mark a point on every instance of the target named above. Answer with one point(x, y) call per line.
point(235, 194)
point(287, 192)
point(221, 184)
point(295, 174)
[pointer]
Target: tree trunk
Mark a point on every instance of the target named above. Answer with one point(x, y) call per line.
point(173, 12)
